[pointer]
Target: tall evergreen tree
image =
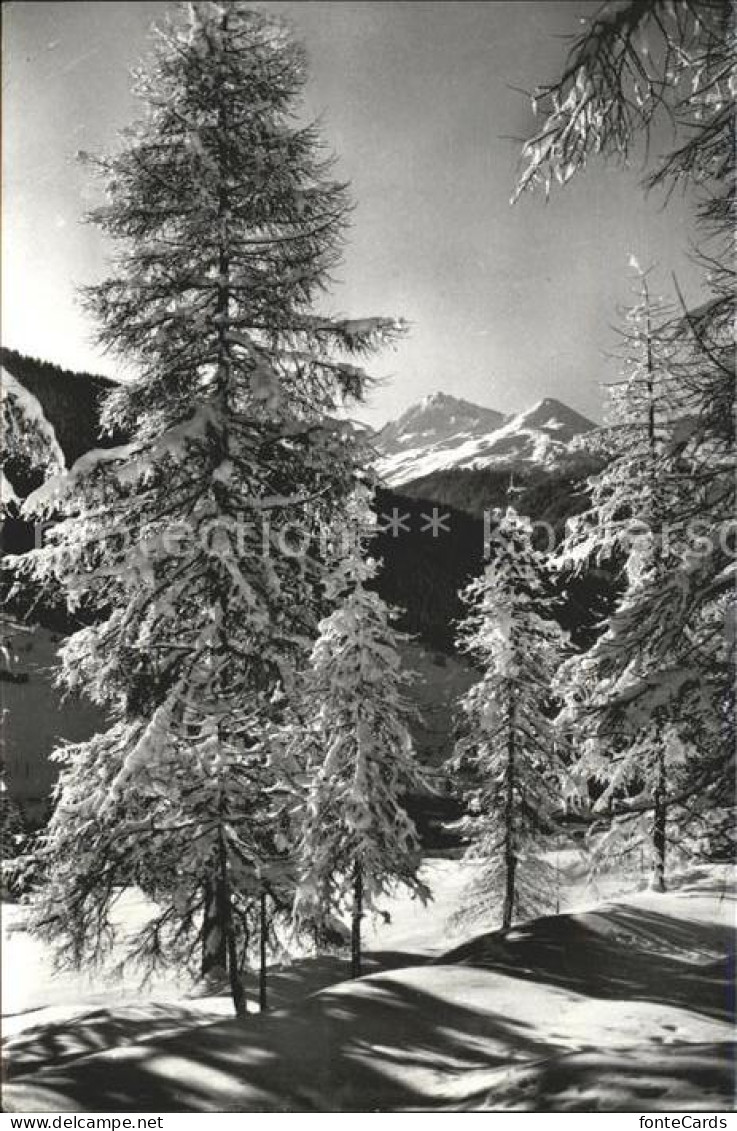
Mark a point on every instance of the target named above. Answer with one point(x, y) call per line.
point(628, 751)
point(509, 755)
point(638, 63)
point(186, 541)
point(357, 841)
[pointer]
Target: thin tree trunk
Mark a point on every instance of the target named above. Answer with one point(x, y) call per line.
point(224, 280)
point(659, 825)
point(660, 787)
point(510, 860)
point(214, 952)
point(356, 922)
point(509, 894)
point(237, 988)
point(262, 945)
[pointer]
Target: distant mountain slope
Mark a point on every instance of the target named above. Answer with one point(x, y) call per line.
point(442, 432)
point(544, 495)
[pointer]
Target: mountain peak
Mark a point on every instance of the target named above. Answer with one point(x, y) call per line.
point(435, 420)
point(442, 431)
point(553, 415)
point(440, 398)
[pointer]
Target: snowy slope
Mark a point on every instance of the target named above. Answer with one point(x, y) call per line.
point(621, 1007)
point(442, 432)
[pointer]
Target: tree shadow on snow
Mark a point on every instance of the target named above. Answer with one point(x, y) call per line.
point(382, 1044)
point(56, 1042)
point(619, 953)
point(685, 1077)
point(289, 983)
point(382, 1049)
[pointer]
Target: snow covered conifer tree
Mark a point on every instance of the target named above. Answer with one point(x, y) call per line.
point(182, 541)
point(633, 700)
point(509, 754)
point(636, 64)
point(357, 841)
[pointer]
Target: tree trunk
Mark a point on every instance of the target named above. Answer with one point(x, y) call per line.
point(214, 952)
point(659, 827)
point(509, 894)
point(262, 945)
point(356, 922)
point(659, 798)
point(237, 988)
point(510, 860)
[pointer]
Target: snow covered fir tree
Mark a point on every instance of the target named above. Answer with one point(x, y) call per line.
point(616, 694)
point(357, 841)
point(228, 223)
point(667, 660)
point(509, 755)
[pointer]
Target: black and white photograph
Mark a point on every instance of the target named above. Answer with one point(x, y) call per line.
point(367, 655)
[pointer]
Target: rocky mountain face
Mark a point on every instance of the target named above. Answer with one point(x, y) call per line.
point(443, 432)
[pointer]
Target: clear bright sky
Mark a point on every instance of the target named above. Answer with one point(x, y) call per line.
point(507, 305)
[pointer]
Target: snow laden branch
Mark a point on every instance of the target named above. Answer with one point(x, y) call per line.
point(637, 60)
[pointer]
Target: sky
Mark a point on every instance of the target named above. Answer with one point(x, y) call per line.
point(422, 103)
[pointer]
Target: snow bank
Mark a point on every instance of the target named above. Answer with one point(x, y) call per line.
point(621, 1008)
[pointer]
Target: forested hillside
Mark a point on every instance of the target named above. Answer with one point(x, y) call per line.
point(549, 496)
point(424, 572)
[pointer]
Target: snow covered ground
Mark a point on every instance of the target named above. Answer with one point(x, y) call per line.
point(622, 1005)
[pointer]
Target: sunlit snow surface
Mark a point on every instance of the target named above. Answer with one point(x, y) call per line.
point(621, 1005)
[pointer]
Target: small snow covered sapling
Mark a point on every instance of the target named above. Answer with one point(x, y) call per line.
point(357, 840)
point(508, 756)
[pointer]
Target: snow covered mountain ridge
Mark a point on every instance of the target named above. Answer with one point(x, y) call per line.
point(442, 431)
